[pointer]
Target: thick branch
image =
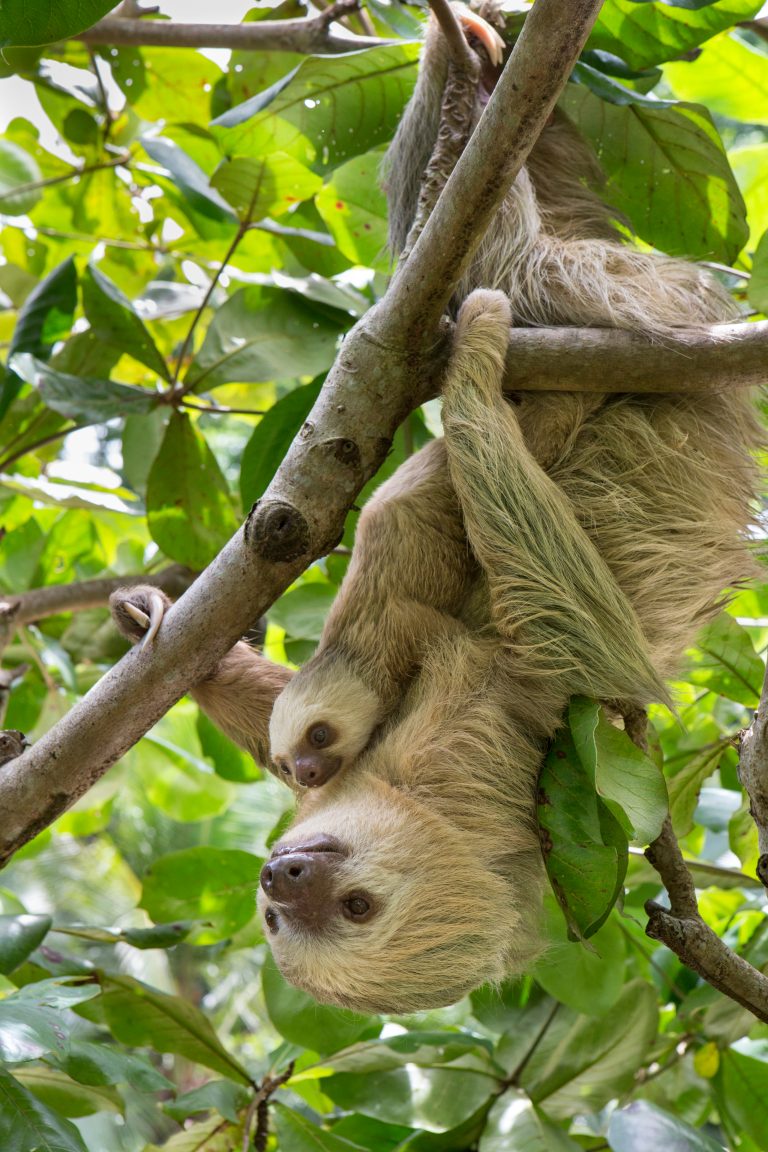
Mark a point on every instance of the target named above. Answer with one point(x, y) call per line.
point(753, 773)
point(396, 348)
point(681, 927)
point(517, 112)
point(314, 35)
point(595, 359)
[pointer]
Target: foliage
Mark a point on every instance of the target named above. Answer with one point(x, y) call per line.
point(184, 247)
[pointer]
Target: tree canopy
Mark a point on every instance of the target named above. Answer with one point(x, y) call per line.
point(185, 244)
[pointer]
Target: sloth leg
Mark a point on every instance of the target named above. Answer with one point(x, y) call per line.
point(238, 695)
point(552, 595)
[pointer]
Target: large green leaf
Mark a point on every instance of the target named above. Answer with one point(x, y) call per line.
point(623, 774)
point(587, 979)
point(213, 884)
point(666, 167)
point(18, 170)
point(302, 611)
point(34, 1021)
point(141, 1016)
point(582, 1062)
point(725, 661)
point(743, 1085)
point(188, 177)
point(644, 34)
point(300, 1019)
point(20, 935)
point(25, 23)
point(328, 109)
point(189, 509)
point(354, 207)
point(514, 1123)
point(180, 784)
point(296, 1133)
point(27, 1125)
point(82, 398)
point(258, 186)
point(584, 845)
point(758, 284)
point(750, 165)
point(730, 78)
point(115, 322)
point(45, 318)
point(685, 784)
point(264, 334)
point(65, 1096)
point(99, 1064)
point(271, 439)
point(641, 1125)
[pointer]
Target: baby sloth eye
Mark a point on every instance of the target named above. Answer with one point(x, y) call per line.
point(319, 735)
point(356, 907)
point(270, 916)
point(284, 767)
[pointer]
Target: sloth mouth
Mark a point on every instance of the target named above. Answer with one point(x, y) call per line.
point(320, 843)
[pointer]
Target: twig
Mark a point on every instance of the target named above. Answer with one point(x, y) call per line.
point(367, 394)
point(307, 36)
point(681, 926)
point(123, 160)
point(50, 439)
point(219, 410)
point(753, 773)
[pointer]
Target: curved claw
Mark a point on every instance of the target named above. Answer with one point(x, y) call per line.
point(136, 614)
point(155, 619)
point(475, 25)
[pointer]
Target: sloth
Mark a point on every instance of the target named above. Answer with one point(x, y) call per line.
point(541, 548)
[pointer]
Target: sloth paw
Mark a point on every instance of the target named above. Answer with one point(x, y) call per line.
point(480, 346)
point(138, 612)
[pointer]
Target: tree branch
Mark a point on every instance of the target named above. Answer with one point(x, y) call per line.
point(368, 393)
point(681, 927)
point(753, 773)
point(308, 36)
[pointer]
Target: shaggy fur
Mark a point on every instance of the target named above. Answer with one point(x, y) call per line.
point(602, 533)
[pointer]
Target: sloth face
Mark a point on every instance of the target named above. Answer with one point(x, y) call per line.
point(321, 722)
point(372, 902)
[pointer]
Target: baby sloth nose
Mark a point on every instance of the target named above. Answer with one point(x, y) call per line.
point(313, 769)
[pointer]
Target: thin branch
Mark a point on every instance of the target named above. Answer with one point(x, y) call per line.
point(307, 36)
point(220, 410)
point(366, 396)
point(681, 926)
point(759, 27)
point(753, 773)
point(14, 456)
point(123, 160)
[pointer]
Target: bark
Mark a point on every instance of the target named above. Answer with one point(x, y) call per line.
point(753, 773)
point(369, 391)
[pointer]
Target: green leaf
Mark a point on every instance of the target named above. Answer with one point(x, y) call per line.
point(743, 1086)
point(582, 1062)
point(258, 186)
point(141, 1016)
point(264, 334)
point(587, 979)
point(225, 1096)
point(81, 398)
point(271, 439)
point(585, 847)
point(160, 936)
point(725, 661)
point(302, 611)
point(45, 318)
point(189, 509)
point(295, 1133)
point(641, 1125)
point(300, 1019)
point(23, 23)
point(684, 786)
point(758, 284)
point(212, 884)
point(229, 761)
point(179, 783)
point(328, 109)
point(667, 170)
point(114, 321)
point(515, 1123)
point(188, 177)
point(17, 171)
point(66, 1097)
point(644, 34)
point(212, 1135)
point(33, 1023)
point(730, 78)
point(20, 935)
point(750, 165)
point(100, 1064)
point(26, 1125)
point(354, 207)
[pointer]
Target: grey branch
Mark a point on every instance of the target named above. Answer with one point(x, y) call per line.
point(367, 394)
point(312, 35)
point(753, 773)
point(681, 927)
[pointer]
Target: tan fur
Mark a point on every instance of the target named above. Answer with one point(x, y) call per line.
point(602, 534)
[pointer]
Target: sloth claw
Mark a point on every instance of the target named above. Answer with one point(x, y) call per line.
point(156, 613)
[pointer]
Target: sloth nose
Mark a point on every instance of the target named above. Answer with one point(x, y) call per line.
point(284, 877)
point(314, 768)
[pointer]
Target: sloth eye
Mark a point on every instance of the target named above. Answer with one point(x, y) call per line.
point(356, 907)
point(284, 766)
point(319, 735)
point(270, 917)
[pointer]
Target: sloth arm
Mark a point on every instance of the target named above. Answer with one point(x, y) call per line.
point(238, 695)
point(553, 598)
